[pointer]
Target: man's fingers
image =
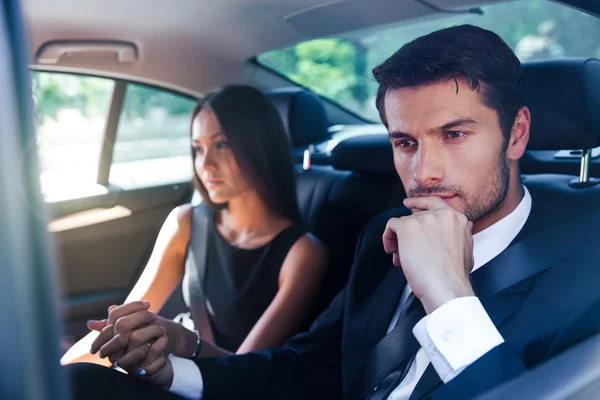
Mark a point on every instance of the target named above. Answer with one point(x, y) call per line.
point(390, 240)
point(105, 335)
point(97, 326)
point(134, 321)
point(131, 361)
point(116, 356)
point(126, 309)
point(396, 259)
point(153, 368)
point(145, 335)
point(117, 343)
point(156, 352)
point(425, 203)
point(155, 359)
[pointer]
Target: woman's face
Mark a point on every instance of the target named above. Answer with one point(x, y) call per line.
point(214, 162)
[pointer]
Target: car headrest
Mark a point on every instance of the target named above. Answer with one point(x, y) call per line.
point(365, 154)
point(303, 115)
point(564, 99)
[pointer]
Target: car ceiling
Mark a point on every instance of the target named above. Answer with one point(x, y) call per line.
point(195, 45)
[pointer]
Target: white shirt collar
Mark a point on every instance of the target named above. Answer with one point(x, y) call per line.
point(494, 239)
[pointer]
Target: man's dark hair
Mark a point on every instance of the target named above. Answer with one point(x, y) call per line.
point(475, 55)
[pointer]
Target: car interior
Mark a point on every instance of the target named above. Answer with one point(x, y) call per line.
point(94, 187)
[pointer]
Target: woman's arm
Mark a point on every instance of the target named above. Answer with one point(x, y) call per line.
point(300, 278)
point(160, 277)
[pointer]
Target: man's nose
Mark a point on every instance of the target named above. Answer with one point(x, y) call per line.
point(429, 169)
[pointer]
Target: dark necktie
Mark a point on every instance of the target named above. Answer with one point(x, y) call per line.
point(390, 360)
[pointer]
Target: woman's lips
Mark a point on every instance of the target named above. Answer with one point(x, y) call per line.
point(213, 182)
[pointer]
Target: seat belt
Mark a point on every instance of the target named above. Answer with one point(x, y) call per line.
point(196, 270)
point(520, 261)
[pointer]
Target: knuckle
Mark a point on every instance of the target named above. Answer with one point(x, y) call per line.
point(161, 344)
point(149, 316)
point(136, 339)
point(121, 340)
point(462, 218)
point(114, 313)
point(409, 223)
point(429, 217)
point(121, 324)
point(447, 212)
point(154, 353)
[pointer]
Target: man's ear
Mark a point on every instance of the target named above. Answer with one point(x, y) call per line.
point(519, 136)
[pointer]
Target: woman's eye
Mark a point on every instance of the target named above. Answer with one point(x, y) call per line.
point(454, 134)
point(222, 145)
point(197, 149)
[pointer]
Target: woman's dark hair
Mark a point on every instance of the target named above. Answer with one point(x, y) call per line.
point(478, 56)
point(260, 146)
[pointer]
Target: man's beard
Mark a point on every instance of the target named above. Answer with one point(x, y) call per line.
point(481, 204)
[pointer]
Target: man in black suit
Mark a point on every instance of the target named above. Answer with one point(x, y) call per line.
point(434, 310)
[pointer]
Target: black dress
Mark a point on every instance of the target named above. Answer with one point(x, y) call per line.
point(238, 284)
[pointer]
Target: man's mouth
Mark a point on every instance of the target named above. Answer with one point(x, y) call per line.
point(447, 198)
point(443, 196)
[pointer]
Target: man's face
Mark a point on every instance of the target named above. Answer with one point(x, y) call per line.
point(448, 144)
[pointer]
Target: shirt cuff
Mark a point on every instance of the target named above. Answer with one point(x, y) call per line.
point(187, 379)
point(456, 335)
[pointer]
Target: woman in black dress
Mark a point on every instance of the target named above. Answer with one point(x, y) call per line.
point(250, 271)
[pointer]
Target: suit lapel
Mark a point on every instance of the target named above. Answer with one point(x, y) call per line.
point(380, 312)
point(385, 304)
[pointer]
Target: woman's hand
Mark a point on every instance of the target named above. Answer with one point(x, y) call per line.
point(136, 341)
point(122, 320)
point(131, 327)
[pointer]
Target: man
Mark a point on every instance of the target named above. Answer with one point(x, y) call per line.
point(419, 315)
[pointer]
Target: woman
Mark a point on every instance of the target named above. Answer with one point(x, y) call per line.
point(251, 270)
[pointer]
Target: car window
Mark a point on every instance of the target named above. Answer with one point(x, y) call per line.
point(152, 145)
point(339, 68)
point(70, 114)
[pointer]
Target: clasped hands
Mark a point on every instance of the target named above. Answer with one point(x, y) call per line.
point(434, 248)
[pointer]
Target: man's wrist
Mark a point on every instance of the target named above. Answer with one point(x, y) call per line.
point(435, 298)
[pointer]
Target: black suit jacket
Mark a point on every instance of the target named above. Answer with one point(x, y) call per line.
point(538, 318)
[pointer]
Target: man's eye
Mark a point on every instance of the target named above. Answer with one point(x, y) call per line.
point(455, 134)
point(405, 143)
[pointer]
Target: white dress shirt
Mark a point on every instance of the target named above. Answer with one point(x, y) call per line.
point(452, 337)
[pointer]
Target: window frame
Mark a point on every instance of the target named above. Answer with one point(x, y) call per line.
point(113, 115)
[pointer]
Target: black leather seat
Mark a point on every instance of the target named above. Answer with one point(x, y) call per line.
point(304, 118)
point(564, 98)
point(336, 200)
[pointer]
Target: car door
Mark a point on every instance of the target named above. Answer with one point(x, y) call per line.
point(28, 295)
point(115, 160)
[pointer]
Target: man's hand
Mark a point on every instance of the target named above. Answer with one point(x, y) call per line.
point(163, 377)
point(434, 247)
